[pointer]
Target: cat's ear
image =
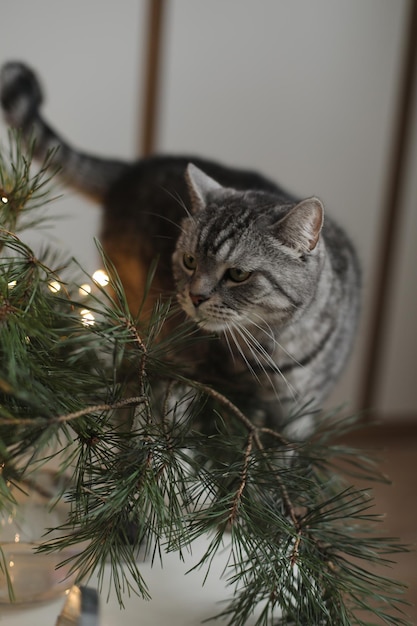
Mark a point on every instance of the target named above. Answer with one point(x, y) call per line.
point(300, 228)
point(200, 186)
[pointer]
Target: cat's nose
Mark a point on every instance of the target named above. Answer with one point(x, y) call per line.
point(197, 299)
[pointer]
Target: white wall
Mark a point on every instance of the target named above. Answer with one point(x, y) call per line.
point(303, 91)
point(88, 55)
point(397, 390)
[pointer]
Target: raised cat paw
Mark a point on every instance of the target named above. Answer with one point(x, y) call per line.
point(20, 93)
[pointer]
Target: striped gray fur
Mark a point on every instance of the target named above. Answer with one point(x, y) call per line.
point(248, 262)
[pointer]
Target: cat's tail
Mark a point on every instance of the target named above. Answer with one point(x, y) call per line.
point(21, 99)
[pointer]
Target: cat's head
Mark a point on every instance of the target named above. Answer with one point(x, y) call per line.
point(243, 257)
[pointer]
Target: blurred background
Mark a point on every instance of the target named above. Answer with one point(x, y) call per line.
point(320, 96)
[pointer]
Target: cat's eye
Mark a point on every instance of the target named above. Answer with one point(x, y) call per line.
point(237, 275)
point(189, 260)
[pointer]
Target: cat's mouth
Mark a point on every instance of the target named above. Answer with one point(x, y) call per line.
point(206, 319)
point(211, 316)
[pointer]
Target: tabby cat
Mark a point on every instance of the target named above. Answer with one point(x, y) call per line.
point(248, 263)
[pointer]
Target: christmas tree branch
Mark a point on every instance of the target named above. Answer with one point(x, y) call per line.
point(254, 437)
point(155, 461)
point(88, 410)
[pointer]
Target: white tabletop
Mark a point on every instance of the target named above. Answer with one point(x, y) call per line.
point(177, 599)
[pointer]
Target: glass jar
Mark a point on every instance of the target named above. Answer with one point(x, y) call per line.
point(28, 576)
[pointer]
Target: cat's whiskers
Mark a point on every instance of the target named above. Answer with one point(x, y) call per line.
point(271, 336)
point(227, 330)
point(255, 356)
point(259, 354)
point(242, 354)
point(166, 219)
point(180, 201)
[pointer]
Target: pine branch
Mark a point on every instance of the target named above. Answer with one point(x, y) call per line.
point(22, 191)
point(155, 460)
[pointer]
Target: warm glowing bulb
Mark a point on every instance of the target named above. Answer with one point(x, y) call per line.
point(101, 278)
point(4, 199)
point(84, 290)
point(17, 538)
point(11, 284)
point(54, 286)
point(11, 563)
point(87, 318)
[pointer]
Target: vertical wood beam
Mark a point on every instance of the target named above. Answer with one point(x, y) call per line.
point(152, 75)
point(391, 216)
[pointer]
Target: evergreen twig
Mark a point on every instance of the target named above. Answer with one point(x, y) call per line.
point(155, 460)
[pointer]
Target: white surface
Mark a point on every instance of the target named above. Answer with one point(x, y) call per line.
point(88, 57)
point(397, 391)
point(177, 599)
point(303, 91)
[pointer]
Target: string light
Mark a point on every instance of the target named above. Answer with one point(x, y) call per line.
point(4, 199)
point(54, 286)
point(11, 284)
point(87, 318)
point(101, 278)
point(84, 290)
